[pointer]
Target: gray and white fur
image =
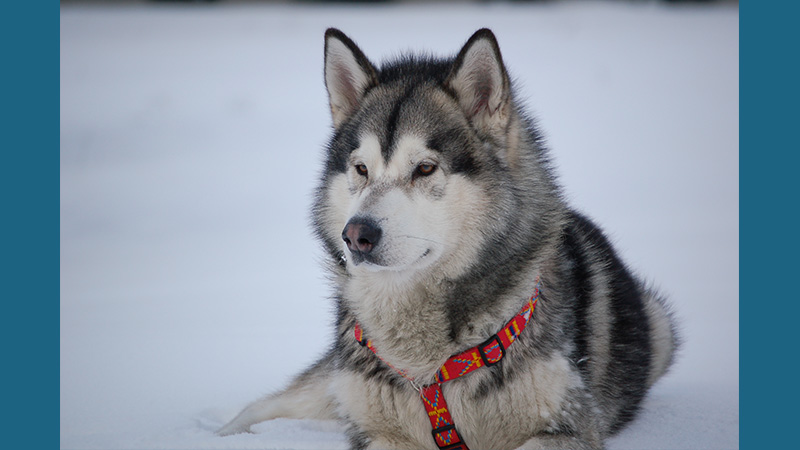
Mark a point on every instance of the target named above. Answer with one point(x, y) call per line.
point(438, 209)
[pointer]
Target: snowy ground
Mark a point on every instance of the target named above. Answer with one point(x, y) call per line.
point(191, 137)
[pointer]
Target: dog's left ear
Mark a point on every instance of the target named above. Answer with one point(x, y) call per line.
point(348, 74)
point(480, 82)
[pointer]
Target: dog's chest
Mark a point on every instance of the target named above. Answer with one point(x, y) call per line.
point(486, 413)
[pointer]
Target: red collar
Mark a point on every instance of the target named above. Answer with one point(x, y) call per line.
point(489, 353)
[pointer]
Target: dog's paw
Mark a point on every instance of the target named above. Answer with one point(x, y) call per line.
point(233, 428)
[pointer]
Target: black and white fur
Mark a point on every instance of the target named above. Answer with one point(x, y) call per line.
point(439, 210)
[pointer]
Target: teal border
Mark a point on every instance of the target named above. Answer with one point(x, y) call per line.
point(769, 78)
point(29, 164)
point(768, 173)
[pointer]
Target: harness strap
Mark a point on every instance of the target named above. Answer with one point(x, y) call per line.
point(444, 431)
point(489, 353)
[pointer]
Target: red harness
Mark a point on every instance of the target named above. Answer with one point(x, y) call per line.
point(489, 353)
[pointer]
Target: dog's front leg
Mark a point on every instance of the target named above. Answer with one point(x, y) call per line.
point(307, 397)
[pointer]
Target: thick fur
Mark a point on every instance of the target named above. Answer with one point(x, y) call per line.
point(439, 210)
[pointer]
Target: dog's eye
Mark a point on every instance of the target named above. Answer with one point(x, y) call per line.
point(424, 169)
point(361, 169)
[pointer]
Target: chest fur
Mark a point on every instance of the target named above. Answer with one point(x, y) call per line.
point(486, 413)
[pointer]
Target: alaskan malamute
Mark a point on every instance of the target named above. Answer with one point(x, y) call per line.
point(474, 307)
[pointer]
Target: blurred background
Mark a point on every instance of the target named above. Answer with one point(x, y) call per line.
point(191, 140)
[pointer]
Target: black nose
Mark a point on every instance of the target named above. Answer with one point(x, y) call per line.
point(361, 235)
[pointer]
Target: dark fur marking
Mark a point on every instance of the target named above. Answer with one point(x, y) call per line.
point(466, 164)
point(415, 69)
point(630, 341)
point(498, 270)
point(358, 439)
point(580, 278)
point(497, 379)
point(629, 366)
point(392, 122)
point(345, 140)
point(454, 142)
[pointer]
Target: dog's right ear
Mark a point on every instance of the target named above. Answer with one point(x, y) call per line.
point(348, 75)
point(481, 84)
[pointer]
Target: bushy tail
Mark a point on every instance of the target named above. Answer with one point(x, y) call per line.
point(665, 339)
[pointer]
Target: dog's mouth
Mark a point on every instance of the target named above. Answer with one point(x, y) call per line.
point(375, 262)
point(358, 258)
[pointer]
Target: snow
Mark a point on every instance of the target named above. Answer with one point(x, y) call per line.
point(191, 138)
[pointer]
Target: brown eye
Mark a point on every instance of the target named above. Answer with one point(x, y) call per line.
point(361, 169)
point(425, 169)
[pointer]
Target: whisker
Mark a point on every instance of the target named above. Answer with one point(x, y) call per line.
point(419, 238)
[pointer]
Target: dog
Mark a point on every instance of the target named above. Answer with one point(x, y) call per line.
point(474, 307)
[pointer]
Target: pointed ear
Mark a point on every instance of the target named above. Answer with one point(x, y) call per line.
point(480, 82)
point(348, 74)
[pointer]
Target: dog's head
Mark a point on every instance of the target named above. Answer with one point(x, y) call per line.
point(416, 162)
